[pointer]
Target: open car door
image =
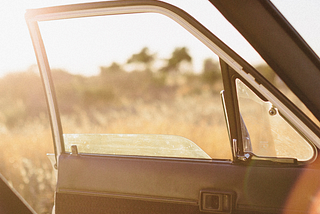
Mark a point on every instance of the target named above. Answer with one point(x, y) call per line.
point(268, 162)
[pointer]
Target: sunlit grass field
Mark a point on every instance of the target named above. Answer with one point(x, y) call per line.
point(114, 103)
point(144, 104)
point(25, 164)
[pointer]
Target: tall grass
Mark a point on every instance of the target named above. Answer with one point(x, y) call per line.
point(137, 102)
point(188, 110)
point(197, 118)
point(25, 165)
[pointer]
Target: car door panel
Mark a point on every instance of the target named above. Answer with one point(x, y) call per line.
point(120, 181)
point(10, 200)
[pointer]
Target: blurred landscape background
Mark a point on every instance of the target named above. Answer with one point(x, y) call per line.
point(170, 100)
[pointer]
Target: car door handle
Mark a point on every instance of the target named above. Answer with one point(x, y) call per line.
point(216, 201)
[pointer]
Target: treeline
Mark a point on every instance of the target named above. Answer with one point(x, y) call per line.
point(22, 97)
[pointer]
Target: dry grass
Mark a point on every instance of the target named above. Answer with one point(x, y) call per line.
point(184, 109)
point(199, 118)
point(25, 165)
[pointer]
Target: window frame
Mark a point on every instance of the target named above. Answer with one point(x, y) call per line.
point(256, 81)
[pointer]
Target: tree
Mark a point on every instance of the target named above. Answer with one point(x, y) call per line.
point(178, 56)
point(113, 68)
point(211, 72)
point(143, 57)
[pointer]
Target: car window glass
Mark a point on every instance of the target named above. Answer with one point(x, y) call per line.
point(136, 74)
point(270, 134)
